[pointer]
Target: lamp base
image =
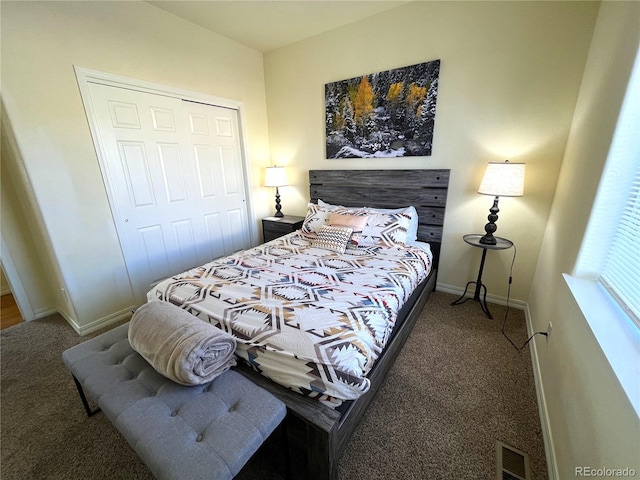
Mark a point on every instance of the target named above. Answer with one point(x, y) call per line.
point(278, 212)
point(488, 239)
point(490, 228)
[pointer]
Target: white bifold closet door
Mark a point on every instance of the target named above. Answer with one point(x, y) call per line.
point(174, 173)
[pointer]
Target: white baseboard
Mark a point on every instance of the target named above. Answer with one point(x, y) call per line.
point(513, 303)
point(547, 436)
point(99, 323)
point(537, 375)
point(42, 313)
point(45, 312)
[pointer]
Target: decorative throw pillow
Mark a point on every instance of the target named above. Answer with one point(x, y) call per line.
point(386, 229)
point(317, 216)
point(412, 231)
point(332, 238)
point(355, 222)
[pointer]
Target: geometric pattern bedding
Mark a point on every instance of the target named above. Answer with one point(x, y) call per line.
point(310, 319)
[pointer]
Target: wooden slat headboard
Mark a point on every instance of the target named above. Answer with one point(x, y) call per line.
point(426, 190)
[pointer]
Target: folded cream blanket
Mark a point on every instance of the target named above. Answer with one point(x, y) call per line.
point(179, 345)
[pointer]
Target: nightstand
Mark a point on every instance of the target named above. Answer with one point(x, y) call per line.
point(274, 227)
point(474, 240)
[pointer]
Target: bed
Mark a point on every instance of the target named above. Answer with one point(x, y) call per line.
point(332, 360)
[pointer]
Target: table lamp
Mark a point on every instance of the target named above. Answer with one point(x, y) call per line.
point(276, 177)
point(501, 179)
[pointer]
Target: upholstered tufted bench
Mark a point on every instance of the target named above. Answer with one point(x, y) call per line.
point(206, 431)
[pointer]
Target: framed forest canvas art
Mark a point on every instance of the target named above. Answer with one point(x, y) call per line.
point(384, 114)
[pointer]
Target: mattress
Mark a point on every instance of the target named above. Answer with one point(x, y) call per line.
point(310, 319)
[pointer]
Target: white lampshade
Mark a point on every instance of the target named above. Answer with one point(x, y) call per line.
point(275, 177)
point(503, 179)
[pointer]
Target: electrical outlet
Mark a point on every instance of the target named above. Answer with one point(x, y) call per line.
point(549, 329)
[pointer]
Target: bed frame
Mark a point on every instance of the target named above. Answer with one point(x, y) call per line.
point(317, 434)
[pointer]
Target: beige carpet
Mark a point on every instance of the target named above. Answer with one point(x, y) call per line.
point(457, 387)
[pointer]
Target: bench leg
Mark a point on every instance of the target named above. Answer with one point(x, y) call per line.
point(87, 408)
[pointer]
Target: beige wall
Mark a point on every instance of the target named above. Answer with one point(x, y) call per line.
point(25, 257)
point(509, 80)
point(23, 251)
point(593, 423)
point(41, 42)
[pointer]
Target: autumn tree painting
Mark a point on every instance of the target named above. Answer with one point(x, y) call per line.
point(385, 114)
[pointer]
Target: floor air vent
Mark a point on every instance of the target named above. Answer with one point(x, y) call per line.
point(513, 464)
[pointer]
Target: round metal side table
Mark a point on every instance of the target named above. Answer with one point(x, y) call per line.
point(474, 240)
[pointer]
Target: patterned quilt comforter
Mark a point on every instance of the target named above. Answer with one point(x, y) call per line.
point(310, 319)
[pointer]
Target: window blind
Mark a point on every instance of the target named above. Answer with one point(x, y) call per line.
point(620, 273)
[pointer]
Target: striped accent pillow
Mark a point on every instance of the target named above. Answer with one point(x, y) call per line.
point(332, 238)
